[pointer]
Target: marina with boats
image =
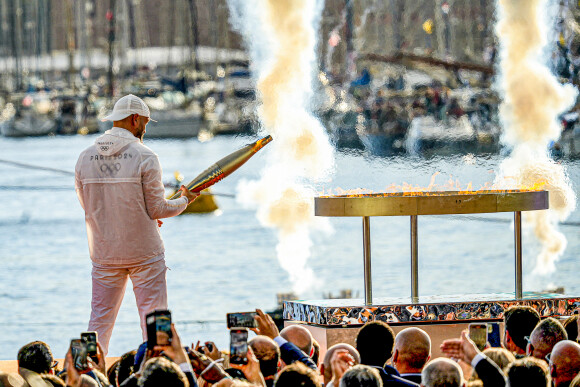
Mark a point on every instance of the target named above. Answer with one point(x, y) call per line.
point(433, 97)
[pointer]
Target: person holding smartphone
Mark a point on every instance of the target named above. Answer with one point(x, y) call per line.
point(119, 184)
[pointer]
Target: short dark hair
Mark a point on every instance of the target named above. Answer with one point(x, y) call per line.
point(529, 372)
point(125, 367)
point(162, 372)
point(35, 356)
point(571, 327)
point(361, 375)
point(374, 342)
point(520, 321)
point(297, 375)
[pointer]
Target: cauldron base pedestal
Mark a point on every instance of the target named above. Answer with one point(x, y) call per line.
point(327, 336)
point(335, 321)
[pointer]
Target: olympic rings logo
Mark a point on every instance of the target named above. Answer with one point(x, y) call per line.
point(111, 169)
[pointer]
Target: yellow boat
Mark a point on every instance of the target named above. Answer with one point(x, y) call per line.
point(204, 204)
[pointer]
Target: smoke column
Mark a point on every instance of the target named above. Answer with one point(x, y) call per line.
point(532, 100)
point(281, 36)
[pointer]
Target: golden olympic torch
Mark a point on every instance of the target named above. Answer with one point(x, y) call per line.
point(224, 167)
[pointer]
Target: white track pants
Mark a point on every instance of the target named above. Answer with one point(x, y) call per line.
point(109, 285)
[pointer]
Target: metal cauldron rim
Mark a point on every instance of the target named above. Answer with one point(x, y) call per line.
point(431, 203)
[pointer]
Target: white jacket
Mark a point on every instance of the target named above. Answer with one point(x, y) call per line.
point(118, 181)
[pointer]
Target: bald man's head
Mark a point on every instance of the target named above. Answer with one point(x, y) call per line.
point(299, 336)
point(564, 361)
point(412, 350)
point(326, 367)
point(267, 353)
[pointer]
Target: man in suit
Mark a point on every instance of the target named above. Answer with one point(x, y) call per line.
point(374, 343)
point(519, 322)
point(412, 351)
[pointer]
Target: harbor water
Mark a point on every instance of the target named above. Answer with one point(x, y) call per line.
point(226, 261)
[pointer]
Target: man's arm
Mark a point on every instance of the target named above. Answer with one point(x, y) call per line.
point(465, 349)
point(157, 206)
point(489, 372)
point(290, 353)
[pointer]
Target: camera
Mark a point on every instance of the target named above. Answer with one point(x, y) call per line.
point(90, 338)
point(239, 346)
point(78, 350)
point(158, 328)
point(241, 320)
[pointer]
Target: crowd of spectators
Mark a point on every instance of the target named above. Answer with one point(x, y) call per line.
point(534, 352)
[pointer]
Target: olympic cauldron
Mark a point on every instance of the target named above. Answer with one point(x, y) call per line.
point(335, 320)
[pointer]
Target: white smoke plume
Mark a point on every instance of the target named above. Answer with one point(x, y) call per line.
point(281, 35)
point(532, 100)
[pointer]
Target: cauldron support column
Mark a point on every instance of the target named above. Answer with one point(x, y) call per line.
point(367, 260)
point(414, 260)
point(518, 250)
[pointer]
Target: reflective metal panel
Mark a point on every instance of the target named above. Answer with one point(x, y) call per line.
point(345, 312)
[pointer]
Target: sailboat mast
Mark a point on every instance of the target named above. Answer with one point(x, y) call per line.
point(70, 42)
point(15, 26)
point(111, 19)
point(194, 31)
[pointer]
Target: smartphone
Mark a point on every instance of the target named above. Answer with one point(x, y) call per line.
point(209, 347)
point(241, 320)
point(158, 328)
point(493, 335)
point(478, 333)
point(239, 346)
point(78, 350)
point(90, 338)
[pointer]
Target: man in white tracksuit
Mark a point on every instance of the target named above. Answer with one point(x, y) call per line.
point(119, 185)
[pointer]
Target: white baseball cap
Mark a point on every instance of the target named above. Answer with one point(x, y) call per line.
point(127, 105)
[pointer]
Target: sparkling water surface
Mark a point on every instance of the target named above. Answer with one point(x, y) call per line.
point(226, 261)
